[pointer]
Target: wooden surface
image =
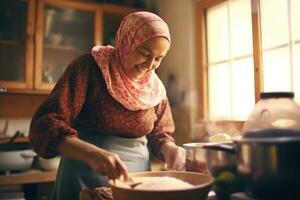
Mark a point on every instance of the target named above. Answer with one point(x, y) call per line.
point(4, 140)
point(32, 176)
point(20, 105)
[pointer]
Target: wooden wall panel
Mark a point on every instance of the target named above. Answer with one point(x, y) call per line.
point(20, 105)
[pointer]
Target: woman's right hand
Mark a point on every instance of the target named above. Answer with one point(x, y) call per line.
point(100, 160)
point(107, 163)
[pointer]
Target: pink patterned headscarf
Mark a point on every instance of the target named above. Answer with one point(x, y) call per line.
point(135, 29)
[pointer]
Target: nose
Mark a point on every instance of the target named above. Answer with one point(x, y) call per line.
point(150, 63)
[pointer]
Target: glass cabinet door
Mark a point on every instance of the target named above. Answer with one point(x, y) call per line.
point(40, 38)
point(16, 43)
point(67, 33)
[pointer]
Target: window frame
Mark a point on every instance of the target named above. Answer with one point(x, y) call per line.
point(201, 51)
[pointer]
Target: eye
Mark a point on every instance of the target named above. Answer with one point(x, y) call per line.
point(144, 52)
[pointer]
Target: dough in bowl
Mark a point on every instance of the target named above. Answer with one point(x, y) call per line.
point(161, 183)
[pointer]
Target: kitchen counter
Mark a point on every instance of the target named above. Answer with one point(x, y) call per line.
point(31, 176)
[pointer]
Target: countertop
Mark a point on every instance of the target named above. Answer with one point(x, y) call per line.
point(31, 176)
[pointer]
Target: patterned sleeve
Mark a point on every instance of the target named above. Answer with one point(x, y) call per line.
point(163, 129)
point(52, 121)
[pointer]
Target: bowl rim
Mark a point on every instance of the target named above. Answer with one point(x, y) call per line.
point(196, 187)
point(194, 144)
point(201, 144)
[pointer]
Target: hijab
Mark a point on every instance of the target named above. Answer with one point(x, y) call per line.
point(135, 29)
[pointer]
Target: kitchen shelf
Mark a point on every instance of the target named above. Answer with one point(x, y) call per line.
point(31, 176)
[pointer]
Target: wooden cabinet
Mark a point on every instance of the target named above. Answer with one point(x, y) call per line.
point(47, 35)
point(65, 30)
point(17, 19)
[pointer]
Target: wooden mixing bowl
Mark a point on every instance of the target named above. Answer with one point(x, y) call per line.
point(202, 183)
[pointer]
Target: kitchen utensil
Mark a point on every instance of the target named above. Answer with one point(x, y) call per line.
point(202, 184)
point(195, 158)
point(269, 168)
point(16, 155)
point(220, 164)
point(274, 111)
point(134, 184)
point(17, 134)
point(49, 164)
point(16, 160)
point(130, 183)
point(267, 154)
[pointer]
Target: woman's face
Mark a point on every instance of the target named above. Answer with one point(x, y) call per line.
point(147, 57)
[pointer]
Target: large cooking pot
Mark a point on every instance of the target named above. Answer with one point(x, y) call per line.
point(268, 167)
point(202, 185)
point(268, 158)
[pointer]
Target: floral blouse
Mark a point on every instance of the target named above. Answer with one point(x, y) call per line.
point(80, 100)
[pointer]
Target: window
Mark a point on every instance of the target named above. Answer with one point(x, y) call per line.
point(242, 52)
point(280, 45)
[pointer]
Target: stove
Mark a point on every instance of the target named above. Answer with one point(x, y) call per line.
point(234, 196)
point(244, 196)
point(240, 196)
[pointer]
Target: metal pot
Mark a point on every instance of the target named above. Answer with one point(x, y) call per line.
point(18, 160)
point(269, 166)
point(195, 158)
point(220, 164)
point(16, 156)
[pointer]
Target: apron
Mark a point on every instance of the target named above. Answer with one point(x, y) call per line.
point(74, 175)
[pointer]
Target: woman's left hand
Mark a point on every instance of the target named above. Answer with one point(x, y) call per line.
point(174, 156)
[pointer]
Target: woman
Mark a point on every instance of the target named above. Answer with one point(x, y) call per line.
point(107, 108)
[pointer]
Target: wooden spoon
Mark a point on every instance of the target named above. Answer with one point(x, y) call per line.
point(130, 182)
point(133, 183)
